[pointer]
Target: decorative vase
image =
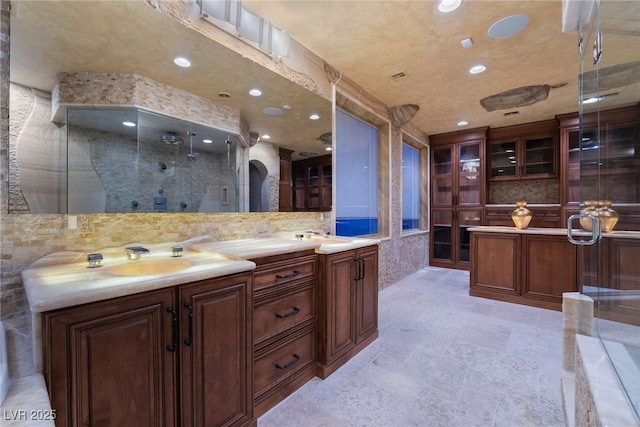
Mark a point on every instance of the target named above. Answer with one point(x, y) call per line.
point(521, 216)
point(608, 217)
point(591, 208)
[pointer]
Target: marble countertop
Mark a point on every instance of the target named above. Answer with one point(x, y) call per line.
point(63, 279)
point(553, 231)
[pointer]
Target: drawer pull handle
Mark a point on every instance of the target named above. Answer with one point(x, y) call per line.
point(288, 276)
point(296, 310)
point(288, 364)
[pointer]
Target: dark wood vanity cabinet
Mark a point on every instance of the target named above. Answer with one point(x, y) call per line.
point(348, 306)
point(124, 361)
point(285, 326)
point(524, 268)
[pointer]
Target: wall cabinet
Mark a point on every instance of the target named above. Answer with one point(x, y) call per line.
point(523, 151)
point(313, 184)
point(523, 268)
point(285, 326)
point(285, 186)
point(348, 306)
point(604, 165)
point(178, 356)
point(457, 194)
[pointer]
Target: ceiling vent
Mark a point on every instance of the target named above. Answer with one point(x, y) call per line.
point(399, 76)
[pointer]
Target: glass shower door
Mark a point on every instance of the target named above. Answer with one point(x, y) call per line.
point(609, 178)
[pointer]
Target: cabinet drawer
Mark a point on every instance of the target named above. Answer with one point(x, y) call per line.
point(277, 364)
point(283, 311)
point(285, 272)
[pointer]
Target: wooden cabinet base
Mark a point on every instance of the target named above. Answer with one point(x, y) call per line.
point(323, 371)
point(530, 269)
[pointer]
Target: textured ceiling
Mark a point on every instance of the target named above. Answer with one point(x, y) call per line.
point(367, 41)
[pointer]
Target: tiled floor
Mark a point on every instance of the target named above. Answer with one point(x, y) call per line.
point(443, 358)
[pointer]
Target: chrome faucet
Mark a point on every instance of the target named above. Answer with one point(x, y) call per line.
point(311, 232)
point(134, 252)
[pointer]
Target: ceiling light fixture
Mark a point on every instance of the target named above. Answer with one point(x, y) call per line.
point(266, 136)
point(207, 141)
point(287, 107)
point(129, 124)
point(329, 149)
point(314, 116)
point(477, 69)
point(447, 6)
point(463, 123)
point(255, 92)
point(181, 61)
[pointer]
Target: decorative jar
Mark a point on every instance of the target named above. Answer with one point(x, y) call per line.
point(608, 217)
point(590, 208)
point(521, 216)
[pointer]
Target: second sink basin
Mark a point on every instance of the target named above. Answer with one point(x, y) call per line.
point(147, 268)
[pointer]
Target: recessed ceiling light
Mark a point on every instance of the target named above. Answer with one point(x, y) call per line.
point(329, 149)
point(255, 92)
point(507, 27)
point(477, 69)
point(129, 124)
point(265, 136)
point(314, 116)
point(449, 5)
point(287, 107)
point(181, 61)
point(463, 123)
point(207, 141)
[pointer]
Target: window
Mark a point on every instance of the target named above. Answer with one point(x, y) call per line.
point(356, 176)
point(410, 187)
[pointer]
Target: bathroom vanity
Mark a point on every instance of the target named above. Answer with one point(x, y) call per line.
point(220, 335)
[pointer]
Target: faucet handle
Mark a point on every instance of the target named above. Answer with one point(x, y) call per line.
point(133, 252)
point(176, 251)
point(95, 260)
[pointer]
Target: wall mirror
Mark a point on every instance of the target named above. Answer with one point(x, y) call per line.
point(96, 37)
point(131, 160)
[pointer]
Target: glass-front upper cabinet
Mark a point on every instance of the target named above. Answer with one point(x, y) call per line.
point(613, 156)
point(523, 151)
point(460, 184)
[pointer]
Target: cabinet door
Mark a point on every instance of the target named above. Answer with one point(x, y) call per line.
point(625, 278)
point(337, 330)
point(469, 180)
point(216, 352)
point(549, 267)
point(366, 285)
point(442, 235)
point(107, 363)
point(442, 176)
point(503, 157)
point(495, 265)
point(539, 156)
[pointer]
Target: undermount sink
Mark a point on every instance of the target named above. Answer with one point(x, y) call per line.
point(147, 268)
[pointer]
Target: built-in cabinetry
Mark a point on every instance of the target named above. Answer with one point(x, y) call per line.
point(544, 216)
point(457, 194)
point(602, 165)
point(179, 356)
point(523, 151)
point(285, 326)
point(312, 181)
point(285, 194)
point(611, 273)
point(532, 268)
point(348, 306)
